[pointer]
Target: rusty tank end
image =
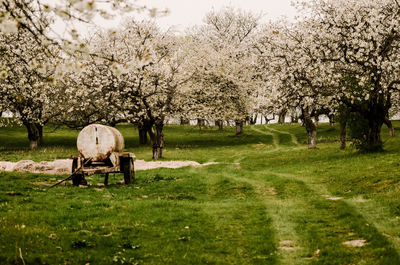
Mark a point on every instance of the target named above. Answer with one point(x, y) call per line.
point(97, 142)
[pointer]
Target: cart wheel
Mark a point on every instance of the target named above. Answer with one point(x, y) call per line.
point(83, 181)
point(106, 179)
point(74, 164)
point(129, 171)
point(76, 179)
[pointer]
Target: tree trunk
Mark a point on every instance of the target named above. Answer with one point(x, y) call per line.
point(343, 135)
point(390, 126)
point(200, 122)
point(33, 144)
point(374, 140)
point(142, 136)
point(375, 115)
point(157, 139)
point(331, 121)
point(282, 115)
point(312, 139)
point(247, 120)
point(185, 121)
point(144, 128)
point(316, 120)
point(220, 124)
point(40, 129)
point(311, 130)
point(253, 120)
point(239, 127)
point(267, 119)
point(35, 133)
point(294, 119)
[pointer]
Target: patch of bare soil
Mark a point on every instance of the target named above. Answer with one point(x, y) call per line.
point(41, 184)
point(143, 165)
point(332, 198)
point(59, 167)
point(355, 243)
point(287, 245)
point(56, 167)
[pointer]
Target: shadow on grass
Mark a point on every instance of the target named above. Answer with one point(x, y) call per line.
point(15, 138)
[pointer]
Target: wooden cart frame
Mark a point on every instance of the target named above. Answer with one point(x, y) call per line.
point(122, 162)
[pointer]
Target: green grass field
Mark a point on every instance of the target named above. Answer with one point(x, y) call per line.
point(270, 200)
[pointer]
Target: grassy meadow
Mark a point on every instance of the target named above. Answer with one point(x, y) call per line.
point(269, 200)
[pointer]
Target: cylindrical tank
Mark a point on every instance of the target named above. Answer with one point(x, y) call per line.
point(98, 141)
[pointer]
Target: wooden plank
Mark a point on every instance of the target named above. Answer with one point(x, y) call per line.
point(99, 170)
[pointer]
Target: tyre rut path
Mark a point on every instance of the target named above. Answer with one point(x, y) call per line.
point(312, 225)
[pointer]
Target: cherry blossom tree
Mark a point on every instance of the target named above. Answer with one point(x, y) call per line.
point(34, 16)
point(90, 95)
point(222, 60)
point(32, 87)
point(41, 19)
point(341, 52)
point(359, 42)
point(27, 86)
point(293, 73)
point(131, 73)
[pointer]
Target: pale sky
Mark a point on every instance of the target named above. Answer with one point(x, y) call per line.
point(187, 13)
point(184, 13)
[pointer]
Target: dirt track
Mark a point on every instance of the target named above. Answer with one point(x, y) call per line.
point(64, 166)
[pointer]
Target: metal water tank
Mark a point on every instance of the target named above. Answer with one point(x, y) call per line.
point(97, 142)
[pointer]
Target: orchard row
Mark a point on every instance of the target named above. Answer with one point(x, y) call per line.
point(339, 58)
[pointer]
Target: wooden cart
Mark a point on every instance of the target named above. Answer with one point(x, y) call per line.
point(117, 162)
